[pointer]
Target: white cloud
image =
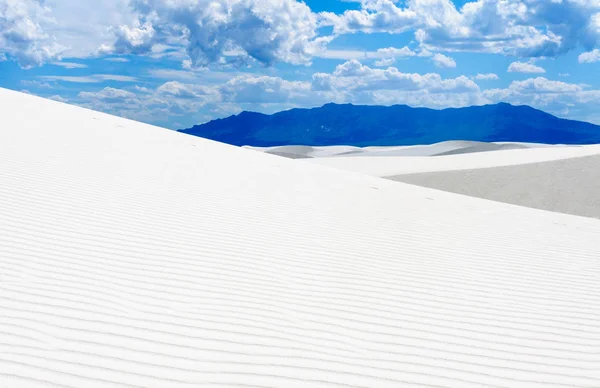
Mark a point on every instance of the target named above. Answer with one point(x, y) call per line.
point(58, 98)
point(590, 57)
point(89, 79)
point(527, 28)
point(22, 36)
point(375, 16)
point(543, 85)
point(523, 67)
point(70, 65)
point(392, 52)
point(82, 25)
point(137, 39)
point(486, 77)
point(441, 60)
point(37, 84)
point(117, 59)
point(177, 89)
point(355, 83)
point(108, 93)
point(197, 92)
point(142, 89)
point(352, 76)
point(125, 103)
point(551, 96)
point(174, 74)
point(216, 32)
point(538, 92)
point(384, 55)
point(264, 89)
point(342, 54)
point(33, 32)
point(386, 62)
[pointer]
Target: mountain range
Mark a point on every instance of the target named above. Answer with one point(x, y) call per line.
point(367, 125)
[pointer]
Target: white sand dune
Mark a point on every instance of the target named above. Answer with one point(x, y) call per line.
point(400, 165)
point(568, 185)
point(300, 152)
point(133, 256)
point(438, 149)
point(555, 178)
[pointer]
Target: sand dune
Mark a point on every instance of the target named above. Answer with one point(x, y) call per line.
point(133, 256)
point(438, 149)
point(569, 185)
point(556, 178)
point(401, 165)
point(301, 152)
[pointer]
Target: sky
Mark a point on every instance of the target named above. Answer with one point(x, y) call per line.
point(177, 63)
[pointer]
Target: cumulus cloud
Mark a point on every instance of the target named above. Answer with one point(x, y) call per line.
point(178, 89)
point(542, 85)
point(393, 52)
point(523, 67)
point(126, 103)
point(539, 92)
point(264, 89)
point(136, 39)
point(355, 83)
point(590, 57)
point(199, 93)
point(375, 16)
point(224, 31)
point(352, 77)
point(389, 55)
point(108, 94)
point(58, 98)
point(526, 28)
point(386, 62)
point(22, 35)
point(441, 60)
point(552, 96)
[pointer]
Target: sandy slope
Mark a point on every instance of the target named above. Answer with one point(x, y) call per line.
point(556, 178)
point(140, 257)
point(400, 165)
point(569, 185)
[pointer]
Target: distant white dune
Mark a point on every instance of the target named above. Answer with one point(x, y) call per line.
point(133, 256)
point(399, 165)
point(570, 185)
point(438, 149)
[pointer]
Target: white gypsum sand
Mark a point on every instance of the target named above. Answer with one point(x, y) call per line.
point(400, 165)
point(133, 256)
point(556, 178)
point(569, 185)
point(438, 149)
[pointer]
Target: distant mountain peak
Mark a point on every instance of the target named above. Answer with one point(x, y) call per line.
point(366, 125)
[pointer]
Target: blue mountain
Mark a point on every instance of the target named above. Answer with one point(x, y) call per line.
point(356, 125)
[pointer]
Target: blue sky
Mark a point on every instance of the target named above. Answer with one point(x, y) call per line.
point(176, 64)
